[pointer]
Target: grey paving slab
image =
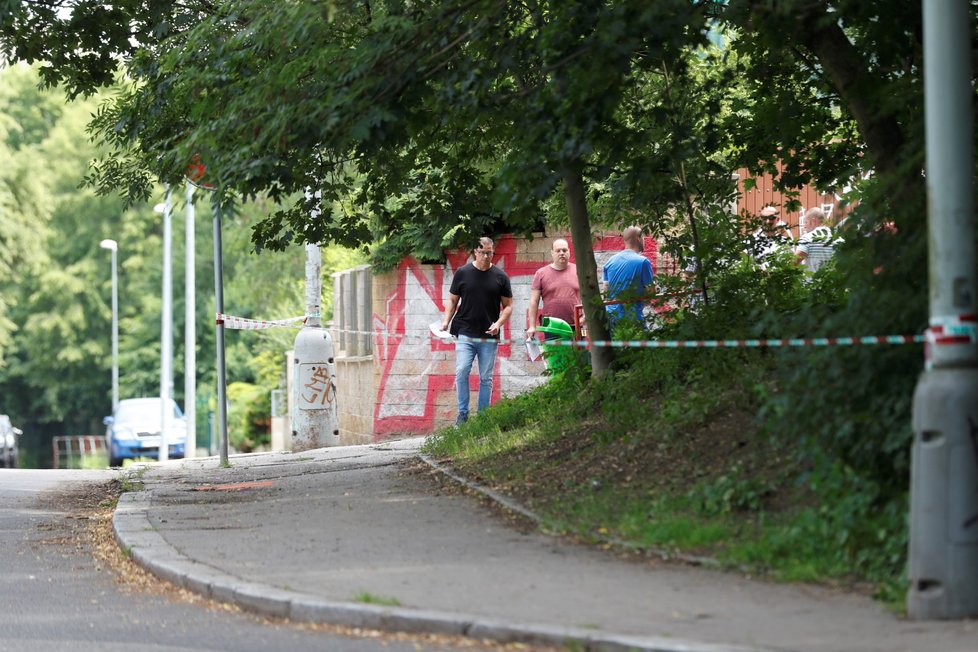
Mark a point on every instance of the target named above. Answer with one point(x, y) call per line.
point(326, 535)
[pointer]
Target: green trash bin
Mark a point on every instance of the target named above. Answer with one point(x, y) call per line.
point(559, 357)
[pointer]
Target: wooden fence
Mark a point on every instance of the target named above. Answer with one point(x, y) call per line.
point(764, 194)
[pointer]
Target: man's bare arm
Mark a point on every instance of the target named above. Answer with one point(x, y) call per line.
point(450, 307)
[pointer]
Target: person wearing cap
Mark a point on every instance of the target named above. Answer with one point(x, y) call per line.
point(773, 235)
point(480, 301)
point(558, 286)
point(629, 278)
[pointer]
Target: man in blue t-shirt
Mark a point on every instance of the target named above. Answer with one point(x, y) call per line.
point(480, 301)
point(629, 278)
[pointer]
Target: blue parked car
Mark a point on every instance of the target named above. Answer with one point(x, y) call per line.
point(134, 430)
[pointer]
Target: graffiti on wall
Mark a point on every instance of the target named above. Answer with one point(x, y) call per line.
point(416, 388)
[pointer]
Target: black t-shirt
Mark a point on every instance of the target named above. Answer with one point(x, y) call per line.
point(481, 294)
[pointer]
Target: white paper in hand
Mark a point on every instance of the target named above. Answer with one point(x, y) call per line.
point(436, 330)
point(533, 349)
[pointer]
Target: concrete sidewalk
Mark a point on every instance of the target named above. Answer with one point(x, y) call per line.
point(334, 534)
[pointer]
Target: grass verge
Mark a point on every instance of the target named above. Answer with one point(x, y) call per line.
point(671, 456)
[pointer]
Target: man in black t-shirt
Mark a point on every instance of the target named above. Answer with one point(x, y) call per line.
point(480, 301)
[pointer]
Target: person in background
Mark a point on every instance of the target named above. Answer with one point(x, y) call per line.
point(480, 301)
point(693, 291)
point(816, 246)
point(773, 235)
point(629, 278)
point(558, 286)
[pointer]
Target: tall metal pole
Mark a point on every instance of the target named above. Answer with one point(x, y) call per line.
point(315, 418)
point(166, 345)
point(314, 285)
point(115, 329)
point(222, 410)
point(190, 328)
point(113, 246)
point(943, 553)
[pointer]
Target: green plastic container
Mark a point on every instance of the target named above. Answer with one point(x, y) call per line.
point(558, 357)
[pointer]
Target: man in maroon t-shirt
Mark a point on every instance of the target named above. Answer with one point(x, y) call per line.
point(557, 285)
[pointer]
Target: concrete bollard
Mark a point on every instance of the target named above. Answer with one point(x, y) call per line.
point(943, 570)
point(315, 421)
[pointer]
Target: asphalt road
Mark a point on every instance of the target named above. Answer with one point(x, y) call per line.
point(54, 595)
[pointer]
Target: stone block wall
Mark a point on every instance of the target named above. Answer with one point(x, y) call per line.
point(355, 398)
point(415, 373)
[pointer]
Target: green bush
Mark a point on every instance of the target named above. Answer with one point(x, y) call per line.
point(248, 413)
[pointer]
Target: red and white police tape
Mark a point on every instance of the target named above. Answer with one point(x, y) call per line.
point(242, 323)
point(953, 329)
point(756, 343)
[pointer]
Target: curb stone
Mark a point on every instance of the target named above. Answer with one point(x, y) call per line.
point(135, 533)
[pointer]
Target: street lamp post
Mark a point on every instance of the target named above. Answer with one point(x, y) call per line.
point(195, 179)
point(190, 331)
point(166, 344)
point(222, 390)
point(113, 246)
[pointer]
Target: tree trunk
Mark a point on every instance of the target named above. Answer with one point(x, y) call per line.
point(587, 268)
point(848, 72)
point(690, 209)
point(694, 232)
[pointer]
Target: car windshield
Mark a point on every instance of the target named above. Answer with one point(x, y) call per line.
point(147, 410)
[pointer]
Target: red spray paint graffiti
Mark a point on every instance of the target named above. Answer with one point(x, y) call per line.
point(416, 392)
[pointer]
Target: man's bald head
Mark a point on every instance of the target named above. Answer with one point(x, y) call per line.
point(632, 236)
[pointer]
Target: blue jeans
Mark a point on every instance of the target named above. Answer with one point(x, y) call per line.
point(466, 351)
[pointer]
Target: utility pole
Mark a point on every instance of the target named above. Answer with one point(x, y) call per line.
point(190, 328)
point(315, 419)
point(113, 246)
point(166, 337)
point(943, 553)
point(222, 388)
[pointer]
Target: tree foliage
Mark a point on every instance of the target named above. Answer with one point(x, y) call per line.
point(419, 126)
point(79, 44)
point(837, 96)
point(55, 281)
point(415, 126)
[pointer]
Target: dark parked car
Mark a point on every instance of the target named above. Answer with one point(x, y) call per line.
point(134, 430)
point(8, 443)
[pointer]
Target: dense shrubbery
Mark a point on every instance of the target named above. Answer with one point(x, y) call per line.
point(844, 410)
